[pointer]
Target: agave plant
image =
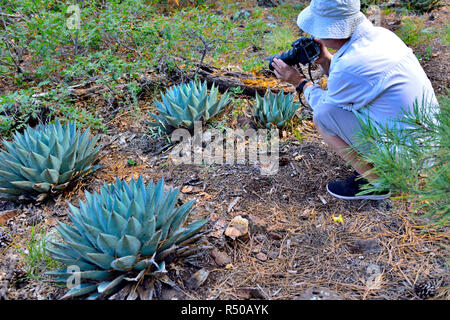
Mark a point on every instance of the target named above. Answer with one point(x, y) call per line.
point(184, 104)
point(45, 159)
point(274, 109)
point(125, 232)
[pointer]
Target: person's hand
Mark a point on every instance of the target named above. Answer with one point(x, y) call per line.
point(287, 73)
point(325, 56)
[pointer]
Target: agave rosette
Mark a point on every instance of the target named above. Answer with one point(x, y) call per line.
point(122, 233)
point(186, 103)
point(45, 159)
point(275, 109)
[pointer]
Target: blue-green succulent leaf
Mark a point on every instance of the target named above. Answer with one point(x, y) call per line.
point(128, 246)
point(124, 263)
point(80, 290)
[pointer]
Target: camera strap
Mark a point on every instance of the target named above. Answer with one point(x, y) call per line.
point(309, 72)
point(310, 77)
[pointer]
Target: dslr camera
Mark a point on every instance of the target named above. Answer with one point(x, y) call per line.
point(304, 50)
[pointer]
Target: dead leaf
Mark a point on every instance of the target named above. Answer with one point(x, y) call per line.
point(275, 236)
point(191, 189)
point(186, 189)
point(197, 279)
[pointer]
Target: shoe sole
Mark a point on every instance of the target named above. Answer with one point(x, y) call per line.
point(362, 197)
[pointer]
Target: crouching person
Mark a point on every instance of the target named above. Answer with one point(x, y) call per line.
point(372, 74)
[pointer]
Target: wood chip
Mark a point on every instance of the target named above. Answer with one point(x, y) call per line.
point(191, 189)
point(186, 189)
point(7, 215)
point(322, 199)
point(233, 203)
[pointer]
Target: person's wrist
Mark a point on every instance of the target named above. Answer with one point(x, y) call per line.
point(301, 86)
point(298, 82)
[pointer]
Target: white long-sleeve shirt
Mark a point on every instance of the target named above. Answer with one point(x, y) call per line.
point(376, 75)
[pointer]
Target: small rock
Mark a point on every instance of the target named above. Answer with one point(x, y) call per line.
point(261, 256)
point(273, 255)
point(237, 227)
point(221, 258)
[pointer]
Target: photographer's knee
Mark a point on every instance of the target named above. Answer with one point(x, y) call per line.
point(322, 115)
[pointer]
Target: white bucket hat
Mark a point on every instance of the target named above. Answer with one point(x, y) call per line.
point(331, 19)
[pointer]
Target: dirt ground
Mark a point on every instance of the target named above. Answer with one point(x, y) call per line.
point(294, 248)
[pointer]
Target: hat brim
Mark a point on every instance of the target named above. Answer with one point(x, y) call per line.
point(328, 27)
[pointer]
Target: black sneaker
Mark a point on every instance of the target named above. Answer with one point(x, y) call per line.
point(349, 189)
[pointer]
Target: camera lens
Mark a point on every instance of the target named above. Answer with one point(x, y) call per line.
point(270, 59)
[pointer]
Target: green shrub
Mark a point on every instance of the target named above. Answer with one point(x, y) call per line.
point(413, 32)
point(414, 161)
point(36, 259)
